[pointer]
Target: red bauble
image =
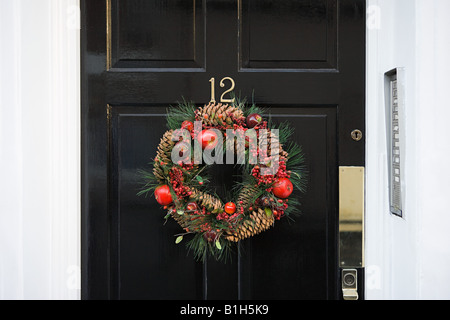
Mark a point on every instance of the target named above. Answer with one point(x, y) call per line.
point(283, 188)
point(253, 120)
point(163, 195)
point(191, 206)
point(230, 208)
point(264, 202)
point(208, 139)
point(210, 236)
point(188, 125)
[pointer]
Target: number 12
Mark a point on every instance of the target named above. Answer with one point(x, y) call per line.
point(222, 85)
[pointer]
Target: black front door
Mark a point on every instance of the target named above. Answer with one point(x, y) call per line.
point(304, 59)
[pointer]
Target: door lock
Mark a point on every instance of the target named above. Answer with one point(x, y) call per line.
point(350, 284)
point(357, 135)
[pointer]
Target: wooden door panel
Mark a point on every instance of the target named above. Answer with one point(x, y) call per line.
point(170, 87)
point(303, 34)
point(296, 259)
point(156, 34)
point(146, 263)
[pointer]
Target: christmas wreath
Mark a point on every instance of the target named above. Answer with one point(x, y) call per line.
point(263, 194)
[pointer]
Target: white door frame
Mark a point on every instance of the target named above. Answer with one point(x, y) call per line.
point(40, 138)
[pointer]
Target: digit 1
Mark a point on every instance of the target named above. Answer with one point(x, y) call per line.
point(213, 90)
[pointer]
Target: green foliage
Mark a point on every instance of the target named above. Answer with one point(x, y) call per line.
point(247, 109)
point(148, 182)
point(293, 209)
point(239, 103)
point(185, 111)
point(285, 132)
point(220, 250)
point(179, 239)
point(296, 164)
point(255, 109)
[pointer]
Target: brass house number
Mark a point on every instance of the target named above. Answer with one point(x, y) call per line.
point(222, 85)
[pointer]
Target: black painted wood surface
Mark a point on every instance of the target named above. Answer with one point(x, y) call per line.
point(303, 59)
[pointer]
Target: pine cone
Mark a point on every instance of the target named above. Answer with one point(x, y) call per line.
point(283, 154)
point(182, 220)
point(208, 201)
point(218, 114)
point(163, 155)
point(165, 147)
point(268, 144)
point(203, 199)
point(257, 223)
point(158, 172)
point(247, 196)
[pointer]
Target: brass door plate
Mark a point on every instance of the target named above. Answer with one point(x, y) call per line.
point(351, 217)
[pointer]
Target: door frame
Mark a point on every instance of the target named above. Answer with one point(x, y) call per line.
point(42, 87)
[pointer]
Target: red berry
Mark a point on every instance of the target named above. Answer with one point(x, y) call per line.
point(188, 125)
point(210, 236)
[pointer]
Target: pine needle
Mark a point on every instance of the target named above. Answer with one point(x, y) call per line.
point(148, 182)
point(177, 115)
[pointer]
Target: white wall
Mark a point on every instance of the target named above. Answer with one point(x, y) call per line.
point(409, 258)
point(433, 52)
point(39, 149)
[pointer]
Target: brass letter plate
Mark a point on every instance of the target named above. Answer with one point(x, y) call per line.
point(351, 217)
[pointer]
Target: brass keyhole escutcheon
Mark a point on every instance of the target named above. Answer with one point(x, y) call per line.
point(357, 135)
